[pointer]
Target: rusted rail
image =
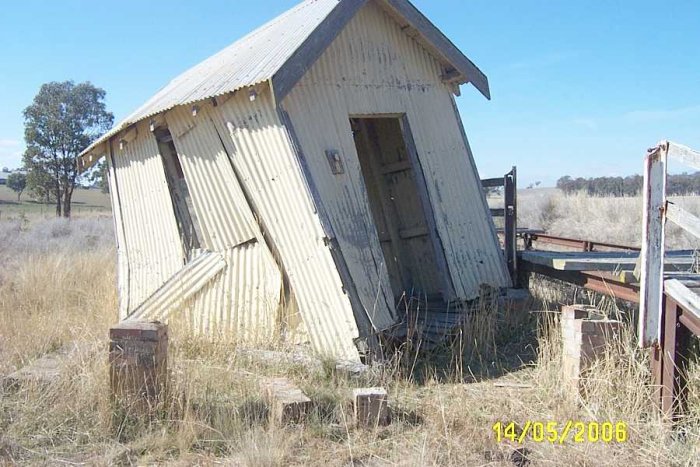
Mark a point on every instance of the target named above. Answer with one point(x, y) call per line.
point(598, 281)
point(531, 238)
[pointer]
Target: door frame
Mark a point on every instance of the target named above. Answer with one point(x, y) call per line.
point(424, 195)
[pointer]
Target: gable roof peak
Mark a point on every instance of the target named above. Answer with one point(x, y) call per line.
point(282, 50)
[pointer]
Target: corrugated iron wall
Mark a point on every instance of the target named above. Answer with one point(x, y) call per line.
point(151, 235)
point(262, 154)
point(119, 234)
point(243, 300)
point(374, 67)
point(181, 287)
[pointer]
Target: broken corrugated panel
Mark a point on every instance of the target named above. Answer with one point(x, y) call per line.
point(251, 60)
point(244, 300)
point(374, 67)
point(221, 209)
point(262, 154)
point(180, 287)
point(150, 229)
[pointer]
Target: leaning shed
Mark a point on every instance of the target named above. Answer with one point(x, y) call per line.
point(319, 161)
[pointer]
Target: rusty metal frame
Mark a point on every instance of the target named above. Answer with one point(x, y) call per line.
point(665, 323)
point(670, 357)
point(510, 214)
point(530, 238)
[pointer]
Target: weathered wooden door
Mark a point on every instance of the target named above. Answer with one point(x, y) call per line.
point(399, 207)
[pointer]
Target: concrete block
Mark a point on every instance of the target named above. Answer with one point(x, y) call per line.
point(288, 404)
point(601, 327)
point(370, 407)
point(574, 312)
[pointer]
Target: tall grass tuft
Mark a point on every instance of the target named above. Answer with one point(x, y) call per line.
point(603, 219)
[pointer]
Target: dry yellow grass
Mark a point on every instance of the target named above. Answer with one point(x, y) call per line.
point(53, 292)
point(603, 219)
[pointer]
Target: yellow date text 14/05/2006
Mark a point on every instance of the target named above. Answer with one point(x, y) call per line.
point(559, 432)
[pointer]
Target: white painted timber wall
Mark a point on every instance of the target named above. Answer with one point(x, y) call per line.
point(373, 67)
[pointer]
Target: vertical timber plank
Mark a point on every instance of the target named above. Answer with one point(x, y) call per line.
point(652, 257)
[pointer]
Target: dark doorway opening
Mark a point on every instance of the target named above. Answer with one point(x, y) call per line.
point(396, 191)
point(179, 192)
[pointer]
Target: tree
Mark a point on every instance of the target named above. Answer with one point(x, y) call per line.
point(17, 182)
point(63, 119)
point(39, 184)
point(565, 184)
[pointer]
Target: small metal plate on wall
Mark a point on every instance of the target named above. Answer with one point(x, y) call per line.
point(335, 161)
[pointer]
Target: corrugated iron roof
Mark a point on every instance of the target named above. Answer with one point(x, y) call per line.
point(251, 60)
point(259, 56)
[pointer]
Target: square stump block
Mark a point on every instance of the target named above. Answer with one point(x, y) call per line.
point(138, 359)
point(287, 403)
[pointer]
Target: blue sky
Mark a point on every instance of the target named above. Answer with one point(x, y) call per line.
point(579, 88)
